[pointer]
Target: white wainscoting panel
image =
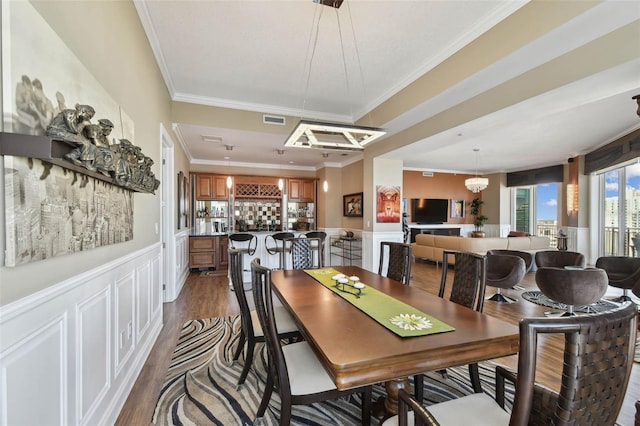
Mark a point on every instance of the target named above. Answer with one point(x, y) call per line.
point(33, 376)
point(143, 299)
point(125, 293)
point(61, 362)
point(93, 354)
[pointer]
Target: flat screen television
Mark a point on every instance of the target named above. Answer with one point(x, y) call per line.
point(429, 210)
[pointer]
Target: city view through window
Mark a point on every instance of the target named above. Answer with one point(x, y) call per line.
point(621, 213)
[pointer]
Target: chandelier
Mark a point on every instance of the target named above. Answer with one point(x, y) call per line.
point(325, 135)
point(476, 184)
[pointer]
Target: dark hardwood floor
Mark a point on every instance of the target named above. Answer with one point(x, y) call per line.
point(205, 297)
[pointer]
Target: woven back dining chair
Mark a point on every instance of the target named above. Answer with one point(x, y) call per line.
point(295, 372)
point(302, 251)
point(395, 261)
point(250, 329)
point(467, 289)
point(597, 363)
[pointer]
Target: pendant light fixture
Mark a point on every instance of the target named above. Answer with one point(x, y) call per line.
point(228, 158)
point(325, 135)
point(325, 184)
point(476, 184)
point(281, 180)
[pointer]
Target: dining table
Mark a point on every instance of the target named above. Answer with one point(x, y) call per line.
point(357, 350)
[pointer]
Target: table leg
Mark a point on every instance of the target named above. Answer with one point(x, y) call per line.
point(386, 407)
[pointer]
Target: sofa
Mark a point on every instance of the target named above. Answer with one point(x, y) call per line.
point(431, 247)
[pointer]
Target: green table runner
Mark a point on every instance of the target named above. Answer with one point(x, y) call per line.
point(402, 319)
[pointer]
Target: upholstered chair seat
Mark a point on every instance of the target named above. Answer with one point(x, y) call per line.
point(572, 287)
point(623, 272)
point(504, 271)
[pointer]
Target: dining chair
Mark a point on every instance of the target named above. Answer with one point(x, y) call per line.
point(623, 272)
point(467, 289)
point(275, 244)
point(320, 250)
point(597, 362)
point(250, 329)
point(395, 261)
point(295, 372)
point(301, 250)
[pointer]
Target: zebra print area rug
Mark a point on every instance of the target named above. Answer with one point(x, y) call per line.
point(200, 386)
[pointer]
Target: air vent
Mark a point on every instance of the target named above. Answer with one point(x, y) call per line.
point(427, 174)
point(273, 119)
point(211, 139)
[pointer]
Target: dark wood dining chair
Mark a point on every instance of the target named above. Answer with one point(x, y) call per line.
point(295, 372)
point(250, 328)
point(597, 362)
point(467, 289)
point(301, 251)
point(395, 261)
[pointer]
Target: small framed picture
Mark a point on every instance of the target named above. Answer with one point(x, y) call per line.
point(457, 208)
point(352, 205)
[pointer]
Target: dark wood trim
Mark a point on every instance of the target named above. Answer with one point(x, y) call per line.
point(619, 151)
point(49, 151)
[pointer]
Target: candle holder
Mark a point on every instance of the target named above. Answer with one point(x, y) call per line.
point(351, 285)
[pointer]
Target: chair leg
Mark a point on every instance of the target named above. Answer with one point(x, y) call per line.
point(247, 362)
point(241, 341)
point(366, 406)
point(501, 298)
point(474, 375)
point(266, 397)
point(285, 411)
point(622, 299)
point(418, 387)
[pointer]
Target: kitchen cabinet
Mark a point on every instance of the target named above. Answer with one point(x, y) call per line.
point(223, 252)
point(202, 252)
point(209, 252)
point(302, 190)
point(211, 187)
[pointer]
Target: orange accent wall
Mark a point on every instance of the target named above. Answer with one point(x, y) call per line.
point(440, 185)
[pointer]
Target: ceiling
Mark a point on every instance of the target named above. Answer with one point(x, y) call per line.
point(440, 76)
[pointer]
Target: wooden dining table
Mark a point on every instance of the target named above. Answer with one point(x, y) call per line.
point(356, 350)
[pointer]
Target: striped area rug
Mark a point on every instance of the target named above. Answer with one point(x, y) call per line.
point(200, 386)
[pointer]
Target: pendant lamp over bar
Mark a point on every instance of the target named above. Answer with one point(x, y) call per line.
point(476, 184)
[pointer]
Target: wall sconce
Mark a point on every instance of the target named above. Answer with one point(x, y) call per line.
point(572, 198)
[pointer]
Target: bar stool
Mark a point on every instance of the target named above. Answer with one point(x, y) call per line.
point(278, 245)
point(320, 250)
point(245, 244)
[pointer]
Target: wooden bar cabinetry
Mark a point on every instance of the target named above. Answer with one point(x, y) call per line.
point(211, 187)
point(208, 252)
point(302, 190)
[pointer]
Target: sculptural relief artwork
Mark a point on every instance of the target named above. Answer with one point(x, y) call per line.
point(52, 93)
point(122, 161)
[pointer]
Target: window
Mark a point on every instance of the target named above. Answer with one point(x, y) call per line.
point(620, 190)
point(536, 210)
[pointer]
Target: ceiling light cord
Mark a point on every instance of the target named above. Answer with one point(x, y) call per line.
point(311, 52)
point(344, 66)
